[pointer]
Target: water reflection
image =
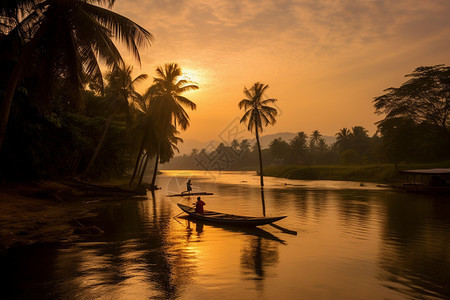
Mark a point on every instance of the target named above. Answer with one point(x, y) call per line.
point(353, 243)
point(252, 231)
point(415, 256)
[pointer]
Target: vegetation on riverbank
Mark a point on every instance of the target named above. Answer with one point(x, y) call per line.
point(366, 173)
point(68, 101)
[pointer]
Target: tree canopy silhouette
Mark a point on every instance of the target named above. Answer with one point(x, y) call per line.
point(70, 38)
point(424, 98)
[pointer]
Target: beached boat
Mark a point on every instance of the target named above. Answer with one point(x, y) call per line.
point(228, 218)
point(185, 194)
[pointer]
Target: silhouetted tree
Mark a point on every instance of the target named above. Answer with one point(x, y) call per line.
point(298, 147)
point(425, 98)
point(279, 150)
point(69, 37)
point(119, 91)
point(257, 114)
point(168, 101)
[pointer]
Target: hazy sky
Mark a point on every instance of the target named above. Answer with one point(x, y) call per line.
point(324, 60)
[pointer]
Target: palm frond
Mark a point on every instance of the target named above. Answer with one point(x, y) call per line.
point(90, 32)
point(267, 101)
point(245, 103)
point(125, 30)
point(186, 102)
point(186, 88)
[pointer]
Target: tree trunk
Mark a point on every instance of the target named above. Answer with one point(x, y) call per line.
point(136, 166)
point(14, 78)
point(141, 164)
point(138, 158)
point(143, 169)
point(260, 158)
point(155, 171)
point(99, 146)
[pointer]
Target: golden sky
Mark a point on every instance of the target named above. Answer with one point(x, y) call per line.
point(324, 60)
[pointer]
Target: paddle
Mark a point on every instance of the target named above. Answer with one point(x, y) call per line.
point(284, 230)
point(178, 214)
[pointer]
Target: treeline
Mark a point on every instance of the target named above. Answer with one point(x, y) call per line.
point(412, 144)
point(415, 129)
point(352, 147)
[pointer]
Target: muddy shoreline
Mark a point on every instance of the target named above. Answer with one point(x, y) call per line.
point(50, 212)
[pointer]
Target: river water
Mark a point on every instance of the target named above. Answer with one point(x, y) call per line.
point(353, 241)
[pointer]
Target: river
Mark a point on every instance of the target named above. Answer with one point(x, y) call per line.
point(353, 241)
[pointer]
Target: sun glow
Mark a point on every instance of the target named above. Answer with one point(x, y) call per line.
point(191, 75)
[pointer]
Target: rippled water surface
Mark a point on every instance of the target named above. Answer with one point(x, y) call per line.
point(353, 242)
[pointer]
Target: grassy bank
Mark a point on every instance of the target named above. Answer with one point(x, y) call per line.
point(368, 173)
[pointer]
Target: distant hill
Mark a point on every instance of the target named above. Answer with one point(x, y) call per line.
point(189, 144)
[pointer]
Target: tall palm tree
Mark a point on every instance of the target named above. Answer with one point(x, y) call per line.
point(257, 114)
point(159, 139)
point(166, 147)
point(145, 130)
point(70, 37)
point(169, 102)
point(119, 91)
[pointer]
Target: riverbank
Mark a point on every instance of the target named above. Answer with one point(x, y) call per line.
point(47, 212)
point(361, 173)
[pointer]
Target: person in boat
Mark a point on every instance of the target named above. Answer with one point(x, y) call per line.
point(189, 186)
point(199, 206)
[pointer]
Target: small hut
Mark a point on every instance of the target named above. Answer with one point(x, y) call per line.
point(427, 180)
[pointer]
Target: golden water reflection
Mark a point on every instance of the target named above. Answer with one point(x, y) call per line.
point(352, 242)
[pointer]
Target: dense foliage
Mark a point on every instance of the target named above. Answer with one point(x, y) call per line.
point(60, 116)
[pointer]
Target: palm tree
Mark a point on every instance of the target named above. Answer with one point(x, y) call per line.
point(145, 130)
point(166, 147)
point(315, 139)
point(343, 138)
point(257, 114)
point(120, 90)
point(244, 146)
point(169, 102)
point(70, 37)
point(343, 134)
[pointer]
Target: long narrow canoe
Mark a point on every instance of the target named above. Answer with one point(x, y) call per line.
point(228, 218)
point(190, 194)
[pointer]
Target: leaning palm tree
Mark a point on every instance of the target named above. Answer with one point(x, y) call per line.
point(257, 114)
point(71, 38)
point(166, 147)
point(145, 129)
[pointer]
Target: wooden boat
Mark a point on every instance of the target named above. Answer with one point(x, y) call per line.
point(228, 218)
point(190, 194)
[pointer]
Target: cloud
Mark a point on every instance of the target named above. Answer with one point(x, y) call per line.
point(325, 46)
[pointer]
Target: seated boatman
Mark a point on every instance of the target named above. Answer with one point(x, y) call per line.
point(199, 206)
